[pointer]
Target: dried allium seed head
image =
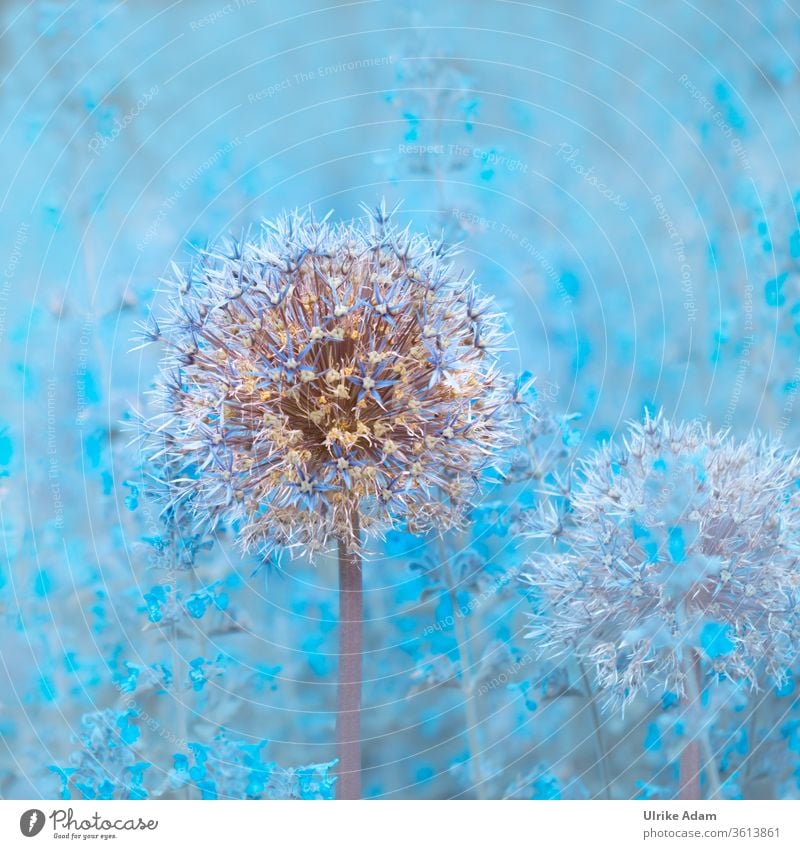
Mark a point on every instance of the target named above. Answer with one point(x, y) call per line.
point(322, 373)
point(681, 540)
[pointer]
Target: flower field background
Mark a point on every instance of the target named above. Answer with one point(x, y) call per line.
point(622, 179)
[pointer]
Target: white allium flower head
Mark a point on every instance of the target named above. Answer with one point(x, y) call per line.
point(680, 541)
point(319, 377)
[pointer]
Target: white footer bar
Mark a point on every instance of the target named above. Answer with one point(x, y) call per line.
point(385, 824)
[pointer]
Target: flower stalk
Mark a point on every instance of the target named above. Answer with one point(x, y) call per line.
point(599, 743)
point(348, 714)
point(698, 754)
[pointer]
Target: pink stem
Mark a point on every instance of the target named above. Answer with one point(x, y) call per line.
point(348, 716)
point(691, 762)
point(690, 771)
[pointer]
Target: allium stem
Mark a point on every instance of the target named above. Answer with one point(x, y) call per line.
point(752, 741)
point(689, 772)
point(698, 754)
point(600, 747)
point(348, 715)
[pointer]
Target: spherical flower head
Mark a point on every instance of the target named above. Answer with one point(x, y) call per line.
point(325, 378)
point(679, 541)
